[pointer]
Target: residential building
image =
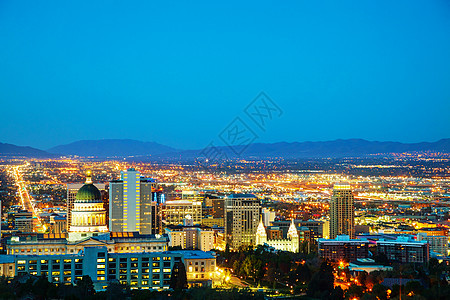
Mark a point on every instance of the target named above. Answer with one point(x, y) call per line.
point(405, 249)
point(191, 237)
point(342, 248)
point(438, 243)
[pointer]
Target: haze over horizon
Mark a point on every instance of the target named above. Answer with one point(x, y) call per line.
point(178, 73)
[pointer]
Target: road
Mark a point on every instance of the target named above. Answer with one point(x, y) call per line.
point(25, 198)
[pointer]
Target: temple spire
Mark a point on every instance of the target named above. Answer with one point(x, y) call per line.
point(292, 232)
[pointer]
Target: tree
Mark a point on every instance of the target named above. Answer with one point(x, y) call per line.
point(380, 291)
point(302, 273)
point(86, 286)
point(178, 279)
point(354, 291)
point(322, 283)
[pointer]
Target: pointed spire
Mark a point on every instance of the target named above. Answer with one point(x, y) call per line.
point(88, 177)
point(261, 230)
point(292, 232)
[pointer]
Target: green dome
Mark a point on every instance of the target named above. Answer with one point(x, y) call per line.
point(88, 193)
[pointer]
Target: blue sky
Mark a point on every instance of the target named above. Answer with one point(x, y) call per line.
point(178, 73)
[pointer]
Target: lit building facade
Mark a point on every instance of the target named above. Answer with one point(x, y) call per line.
point(72, 190)
point(57, 244)
point(88, 213)
point(175, 211)
point(405, 249)
point(138, 270)
point(131, 205)
point(342, 211)
point(191, 237)
point(242, 213)
point(291, 244)
point(343, 248)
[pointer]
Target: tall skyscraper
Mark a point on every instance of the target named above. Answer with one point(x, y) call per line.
point(241, 219)
point(130, 204)
point(72, 190)
point(342, 211)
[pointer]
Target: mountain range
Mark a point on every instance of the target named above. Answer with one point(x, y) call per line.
point(133, 148)
point(10, 150)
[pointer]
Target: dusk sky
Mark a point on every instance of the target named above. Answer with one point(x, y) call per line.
point(178, 73)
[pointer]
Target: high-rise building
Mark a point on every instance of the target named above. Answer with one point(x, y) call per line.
point(241, 219)
point(130, 204)
point(342, 211)
point(72, 190)
point(218, 207)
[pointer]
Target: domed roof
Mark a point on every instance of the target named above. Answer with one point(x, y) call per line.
point(88, 193)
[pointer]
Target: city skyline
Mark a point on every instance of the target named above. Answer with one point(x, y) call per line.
point(157, 73)
point(225, 150)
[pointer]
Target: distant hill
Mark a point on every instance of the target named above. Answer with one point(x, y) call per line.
point(154, 151)
point(331, 149)
point(10, 150)
point(111, 147)
point(341, 148)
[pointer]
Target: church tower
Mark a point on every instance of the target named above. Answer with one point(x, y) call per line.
point(293, 236)
point(261, 235)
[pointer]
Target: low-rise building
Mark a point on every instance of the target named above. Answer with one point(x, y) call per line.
point(404, 249)
point(142, 270)
point(56, 244)
point(343, 248)
point(175, 211)
point(367, 265)
point(191, 237)
point(210, 221)
point(438, 243)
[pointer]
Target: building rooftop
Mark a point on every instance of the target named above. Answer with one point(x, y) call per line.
point(240, 196)
point(193, 254)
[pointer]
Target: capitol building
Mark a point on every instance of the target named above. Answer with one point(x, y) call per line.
point(88, 213)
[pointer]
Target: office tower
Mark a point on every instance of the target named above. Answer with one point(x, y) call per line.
point(130, 204)
point(218, 208)
point(72, 189)
point(88, 213)
point(342, 211)
point(175, 211)
point(241, 219)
